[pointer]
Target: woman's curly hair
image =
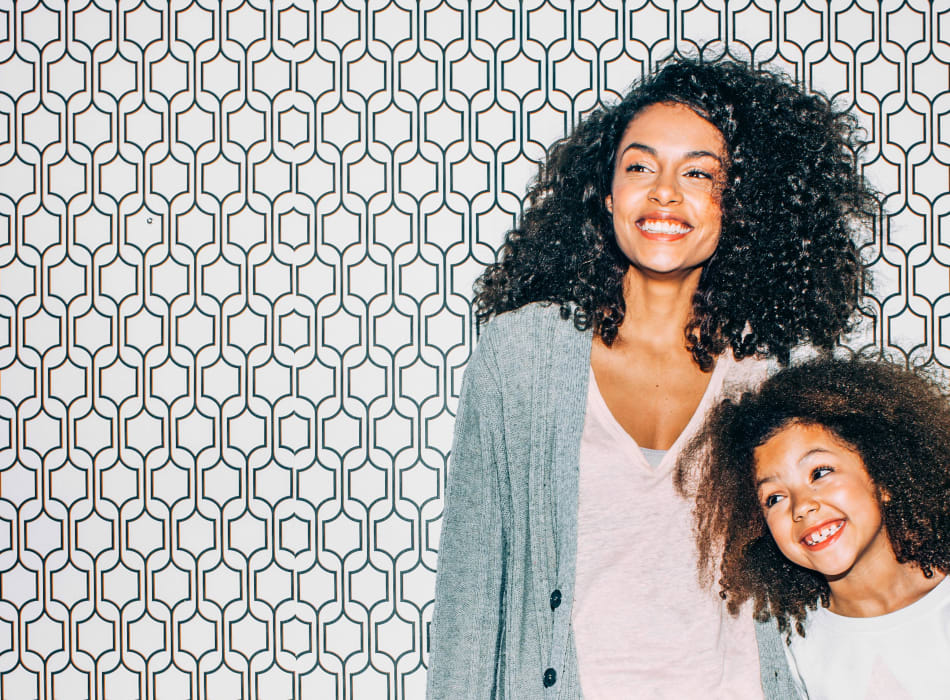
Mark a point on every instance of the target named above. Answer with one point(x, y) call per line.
point(786, 269)
point(896, 420)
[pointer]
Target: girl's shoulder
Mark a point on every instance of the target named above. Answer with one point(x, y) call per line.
point(899, 654)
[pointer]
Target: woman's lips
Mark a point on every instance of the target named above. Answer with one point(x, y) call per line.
point(663, 228)
point(823, 535)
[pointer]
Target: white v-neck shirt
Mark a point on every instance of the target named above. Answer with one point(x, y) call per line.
point(643, 626)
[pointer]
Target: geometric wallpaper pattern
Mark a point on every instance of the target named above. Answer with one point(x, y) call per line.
point(237, 245)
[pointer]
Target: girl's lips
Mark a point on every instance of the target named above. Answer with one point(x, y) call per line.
point(823, 535)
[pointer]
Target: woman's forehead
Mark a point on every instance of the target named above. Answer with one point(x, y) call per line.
point(672, 126)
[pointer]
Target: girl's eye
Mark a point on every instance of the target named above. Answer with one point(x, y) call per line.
point(819, 472)
point(697, 173)
point(771, 500)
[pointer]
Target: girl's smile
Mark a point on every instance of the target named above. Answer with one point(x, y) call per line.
point(822, 535)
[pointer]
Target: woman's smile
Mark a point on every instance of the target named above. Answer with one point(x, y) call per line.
point(660, 226)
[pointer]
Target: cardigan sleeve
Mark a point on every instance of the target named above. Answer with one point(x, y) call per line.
point(466, 633)
point(776, 677)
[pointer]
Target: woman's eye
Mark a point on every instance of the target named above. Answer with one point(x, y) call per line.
point(636, 168)
point(701, 174)
point(819, 472)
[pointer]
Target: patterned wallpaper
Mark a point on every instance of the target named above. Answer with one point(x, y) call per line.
point(237, 243)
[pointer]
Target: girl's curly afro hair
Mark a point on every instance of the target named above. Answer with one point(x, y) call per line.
point(786, 269)
point(896, 420)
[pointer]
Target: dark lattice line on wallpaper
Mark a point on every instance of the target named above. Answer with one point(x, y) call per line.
point(237, 244)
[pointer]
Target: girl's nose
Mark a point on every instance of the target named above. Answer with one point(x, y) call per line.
point(803, 504)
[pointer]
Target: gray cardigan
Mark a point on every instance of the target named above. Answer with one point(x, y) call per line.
point(505, 584)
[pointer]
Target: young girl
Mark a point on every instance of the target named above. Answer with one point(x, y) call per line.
point(831, 485)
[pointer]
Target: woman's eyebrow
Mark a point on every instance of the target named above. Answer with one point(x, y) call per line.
point(635, 145)
point(704, 154)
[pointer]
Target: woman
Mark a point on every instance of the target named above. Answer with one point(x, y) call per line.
point(671, 244)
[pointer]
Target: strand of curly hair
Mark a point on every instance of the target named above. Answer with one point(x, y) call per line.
point(786, 269)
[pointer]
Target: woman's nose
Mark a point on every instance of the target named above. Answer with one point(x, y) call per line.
point(665, 190)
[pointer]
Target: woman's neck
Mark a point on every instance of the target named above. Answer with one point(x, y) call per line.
point(657, 308)
point(647, 377)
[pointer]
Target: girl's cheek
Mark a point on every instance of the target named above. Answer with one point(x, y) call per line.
point(772, 522)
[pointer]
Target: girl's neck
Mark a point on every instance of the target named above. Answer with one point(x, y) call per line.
point(853, 596)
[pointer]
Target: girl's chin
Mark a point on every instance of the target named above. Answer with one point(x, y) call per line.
point(833, 568)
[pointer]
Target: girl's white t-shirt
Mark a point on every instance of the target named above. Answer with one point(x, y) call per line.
point(643, 626)
point(904, 655)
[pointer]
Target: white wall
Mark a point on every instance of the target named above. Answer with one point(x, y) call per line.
point(236, 253)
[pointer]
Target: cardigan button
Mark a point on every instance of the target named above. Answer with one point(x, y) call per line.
point(555, 599)
point(550, 677)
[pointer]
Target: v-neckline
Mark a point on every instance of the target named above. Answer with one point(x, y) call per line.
point(713, 388)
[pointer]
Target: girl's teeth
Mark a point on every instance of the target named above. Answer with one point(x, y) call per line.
point(823, 534)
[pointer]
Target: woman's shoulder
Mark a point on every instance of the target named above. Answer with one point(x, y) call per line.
point(535, 322)
point(532, 337)
point(532, 362)
point(739, 376)
point(535, 312)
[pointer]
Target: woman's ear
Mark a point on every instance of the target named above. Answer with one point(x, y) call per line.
point(609, 203)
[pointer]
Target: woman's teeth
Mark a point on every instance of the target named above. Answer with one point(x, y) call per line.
point(820, 536)
point(663, 226)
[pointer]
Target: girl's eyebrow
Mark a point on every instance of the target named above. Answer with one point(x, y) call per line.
point(652, 151)
point(812, 451)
